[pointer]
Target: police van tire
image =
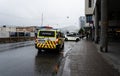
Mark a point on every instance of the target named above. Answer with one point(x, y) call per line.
point(39, 51)
point(58, 48)
point(35, 46)
point(63, 46)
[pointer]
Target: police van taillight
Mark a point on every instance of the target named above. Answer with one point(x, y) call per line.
point(57, 40)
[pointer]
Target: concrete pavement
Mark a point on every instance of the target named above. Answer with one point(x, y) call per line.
point(113, 54)
point(85, 60)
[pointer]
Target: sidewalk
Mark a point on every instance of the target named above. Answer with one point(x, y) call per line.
point(84, 60)
point(113, 54)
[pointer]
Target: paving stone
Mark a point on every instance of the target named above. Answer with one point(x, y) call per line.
point(86, 61)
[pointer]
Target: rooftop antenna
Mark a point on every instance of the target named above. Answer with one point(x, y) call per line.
point(42, 20)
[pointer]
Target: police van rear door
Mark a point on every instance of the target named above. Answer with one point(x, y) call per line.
point(49, 35)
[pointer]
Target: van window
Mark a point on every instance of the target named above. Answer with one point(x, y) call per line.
point(47, 33)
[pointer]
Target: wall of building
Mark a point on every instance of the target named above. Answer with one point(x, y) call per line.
point(89, 10)
point(12, 29)
point(16, 34)
point(25, 29)
point(4, 34)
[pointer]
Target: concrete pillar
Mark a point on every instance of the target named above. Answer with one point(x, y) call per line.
point(96, 24)
point(104, 26)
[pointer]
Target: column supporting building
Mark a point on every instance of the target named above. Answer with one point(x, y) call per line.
point(96, 25)
point(104, 26)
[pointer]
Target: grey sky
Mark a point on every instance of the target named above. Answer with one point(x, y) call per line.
point(29, 12)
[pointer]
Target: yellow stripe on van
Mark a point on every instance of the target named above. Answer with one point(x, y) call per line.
point(47, 44)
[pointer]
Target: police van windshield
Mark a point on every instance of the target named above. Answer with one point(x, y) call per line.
point(47, 33)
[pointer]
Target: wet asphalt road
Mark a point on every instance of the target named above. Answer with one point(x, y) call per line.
point(26, 61)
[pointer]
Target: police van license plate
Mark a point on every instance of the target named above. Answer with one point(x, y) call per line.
point(41, 41)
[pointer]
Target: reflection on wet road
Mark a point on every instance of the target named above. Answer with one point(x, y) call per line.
point(26, 61)
point(47, 64)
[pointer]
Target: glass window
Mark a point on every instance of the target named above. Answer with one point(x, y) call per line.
point(90, 3)
point(88, 18)
point(47, 33)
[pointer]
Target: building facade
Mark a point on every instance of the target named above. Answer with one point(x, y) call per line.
point(106, 19)
point(89, 7)
point(26, 29)
point(8, 29)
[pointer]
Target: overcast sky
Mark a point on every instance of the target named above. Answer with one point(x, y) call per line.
point(29, 12)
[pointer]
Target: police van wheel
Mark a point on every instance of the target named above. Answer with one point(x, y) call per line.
point(63, 46)
point(39, 51)
point(36, 46)
point(58, 48)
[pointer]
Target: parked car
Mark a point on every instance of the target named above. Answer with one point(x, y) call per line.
point(72, 37)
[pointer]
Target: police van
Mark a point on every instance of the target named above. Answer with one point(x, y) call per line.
point(49, 38)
